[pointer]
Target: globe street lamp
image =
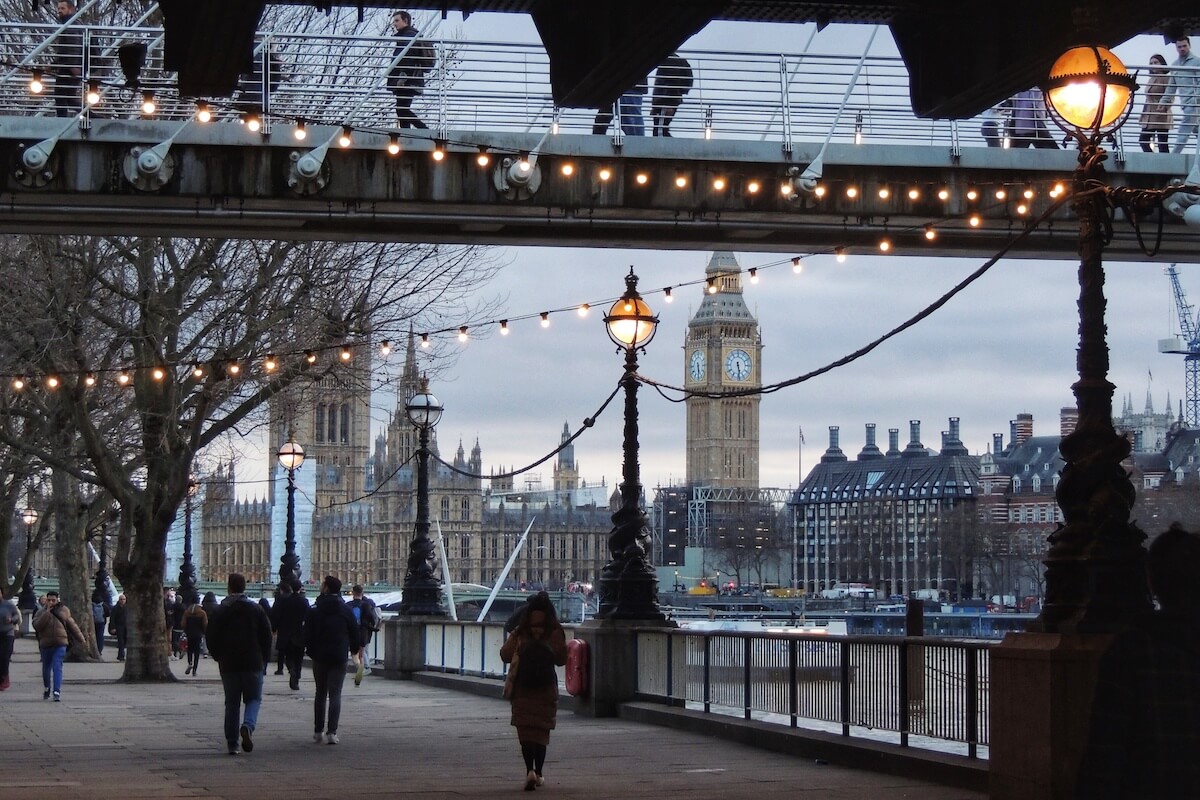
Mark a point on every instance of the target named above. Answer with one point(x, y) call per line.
point(422, 585)
point(187, 570)
point(27, 599)
point(291, 456)
point(628, 585)
point(1095, 574)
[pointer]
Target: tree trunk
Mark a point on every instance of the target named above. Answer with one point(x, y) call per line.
point(70, 556)
point(148, 653)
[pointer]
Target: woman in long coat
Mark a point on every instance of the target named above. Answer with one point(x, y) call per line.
point(1156, 115)
point(536, 646)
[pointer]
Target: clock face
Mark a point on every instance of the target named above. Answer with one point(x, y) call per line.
point(696, 365)
point(737, 365)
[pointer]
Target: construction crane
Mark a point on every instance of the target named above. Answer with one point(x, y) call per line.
point(1188, 346)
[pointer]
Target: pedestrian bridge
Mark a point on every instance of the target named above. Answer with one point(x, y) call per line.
point(799, 153)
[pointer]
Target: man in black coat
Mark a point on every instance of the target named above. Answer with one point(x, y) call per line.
point(118, 623)
point(671, 82)
point(239, 638)
point(330, 636)
point(287, 620)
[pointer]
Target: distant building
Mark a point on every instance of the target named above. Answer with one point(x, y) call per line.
point(1148, 430)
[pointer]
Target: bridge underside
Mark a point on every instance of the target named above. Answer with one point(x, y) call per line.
point(222, 182)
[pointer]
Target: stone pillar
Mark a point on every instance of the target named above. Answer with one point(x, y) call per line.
point(404, 646)
point(612, 664)
point(1041, 698)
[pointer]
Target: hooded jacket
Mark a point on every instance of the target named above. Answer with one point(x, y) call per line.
point(239, 635)
point(330, 630)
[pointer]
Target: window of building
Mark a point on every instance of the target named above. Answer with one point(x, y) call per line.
point(464, 510)
point(445, 504)
point(345, 423)
point(331, 418)
point(320, 423)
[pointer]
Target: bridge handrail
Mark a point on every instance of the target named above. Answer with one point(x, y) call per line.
point(496, 87)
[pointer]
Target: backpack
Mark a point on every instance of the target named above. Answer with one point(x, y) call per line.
point(370, 616)
point(536, 667)
point(98, 613)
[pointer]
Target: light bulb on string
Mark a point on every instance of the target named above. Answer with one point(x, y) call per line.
point(123, 378)
point(754, 274)
point(930, 233)
point(885, 245)
point(462, 333)
point(36, 84)
point(385, 348)
point(158, 373)
point(753, 186)
point(667, 296)
point(840, 254)
point(299, 133)
point(425, 340)
point(797, 265)
point(483, 158)
point(18, 384)
point(310, 356)
point(718, 184)
point(89, 379)
point(148, 104)
point(393, 145)
point(197, 371)
point(545, 315)
point(270, 364)
point(203, 112)
point(346, 138)
point(52, 382)
point(583, 309)
point(504, 327)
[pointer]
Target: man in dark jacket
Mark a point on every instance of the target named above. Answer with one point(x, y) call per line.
point(239, 638)
point(414, 59)
point(287, 620)
point(118, 623)
point(672, 81)
point(330, 636)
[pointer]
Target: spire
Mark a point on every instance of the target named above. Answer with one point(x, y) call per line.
point(1149, 404)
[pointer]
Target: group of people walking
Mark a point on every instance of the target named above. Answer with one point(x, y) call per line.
point(239, 635)
point(1022, 118)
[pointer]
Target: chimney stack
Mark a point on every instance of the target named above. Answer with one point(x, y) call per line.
point(834, 453)
point(997, 443)
point(952, 442)
point(893, 442)
point(914, 448)
point(1068, 420)
point(1022, 428)
point(870, 451)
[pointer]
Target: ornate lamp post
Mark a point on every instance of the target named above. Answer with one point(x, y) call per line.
point(422, 586)
point(27, 599)
point(102, 566)
point(628, 585)
point(291, 456)
point(1095, 576)
point(187, 570)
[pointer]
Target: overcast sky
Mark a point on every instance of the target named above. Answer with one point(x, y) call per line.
point(1006, 345)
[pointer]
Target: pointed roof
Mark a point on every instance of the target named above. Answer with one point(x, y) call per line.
point(727, 304)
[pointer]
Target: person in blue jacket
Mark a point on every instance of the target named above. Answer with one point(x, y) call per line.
point(330, 637)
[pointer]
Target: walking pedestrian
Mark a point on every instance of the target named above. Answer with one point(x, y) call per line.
point(100, 613)
point(118, 625)
point(67, 55)
point(287, 620)
point(1156, 115)
point(209, 604)
point(55, 630)
point(195, 622)
point(1186, 87)
point(330, 635)
point(366, 616)
point(10, 618)
point(1027, 121)
point(406, 79)
point(239, 638)
point(672, 81)
point(536, 646)
point(173, 613)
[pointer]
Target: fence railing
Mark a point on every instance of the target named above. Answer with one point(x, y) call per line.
point(919, 692)
point(485, 86)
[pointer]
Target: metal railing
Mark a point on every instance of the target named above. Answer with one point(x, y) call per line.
point(491, 87)
point(926, 692)
point(469, 648)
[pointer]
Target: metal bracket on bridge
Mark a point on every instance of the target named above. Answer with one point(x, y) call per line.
point(149, 168)
point(38, 164)
point(1183, 205)
point(804, 182)
point(517, 178)
point(308, 173)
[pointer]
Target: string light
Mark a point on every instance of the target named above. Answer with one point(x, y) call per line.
point(914, 193)
point(393, 145)
point(568, 169)
point(583, 310)
point(1028, 193)
point(545, 319)
point(820, 190)
point(346, 354)
point(642, 178)
point(18, 384)
point(840, 254)
point(885, 245)
point(681, 181)
point(797, 265)
point(36, 84)
point(712, 285)
point(1001, 193)
point(462, 333)
point(89, 380)
point(884, 193)
point(524, 164)
point(972, 194)
point(310, 356)
point(754, 275)
point(197, 371)
point(943, 194)
point(252, 122)
point(483, 159)
point(158, 373)
point(974, 220)
point(504, 327)
point(752, 187)
point(93, 93)
point(203, 112)
point(346, 139)
point(785, 189)
point(718, 184)
point(269, 363)
point(425, 340)
point(667, 298)
point(439, 149)
point(385, 348)
point(123, 378)
point(604, 174)
point(852, 192)
point(930, 233)
point(233, 368)
point(148, 104)
point(1022, 209)
point(52, 382)
point(299, 133)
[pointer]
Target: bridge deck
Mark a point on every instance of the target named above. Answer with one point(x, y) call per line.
point(725, 179)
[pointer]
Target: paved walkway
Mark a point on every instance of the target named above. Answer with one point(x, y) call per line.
point(398, 739)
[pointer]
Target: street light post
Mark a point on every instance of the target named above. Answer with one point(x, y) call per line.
point(422, 586)
point(102, 565)
point(187, 569)
point(628, 585)
point(291, 456)
point(27, 599)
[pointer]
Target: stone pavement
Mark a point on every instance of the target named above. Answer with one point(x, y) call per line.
point(108, 739)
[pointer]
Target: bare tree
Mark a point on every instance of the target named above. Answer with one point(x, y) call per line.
point(171, 335)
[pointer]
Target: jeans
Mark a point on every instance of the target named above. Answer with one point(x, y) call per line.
point(99, 637)
point(239, 687)
point(630, 106)
point(52, 661)
point(1188, 124)
point(329, 679)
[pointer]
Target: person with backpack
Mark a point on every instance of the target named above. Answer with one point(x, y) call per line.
point(330, 634)
point(366, 615)
point(413, 59)
point(535, 648)
point(100, 611)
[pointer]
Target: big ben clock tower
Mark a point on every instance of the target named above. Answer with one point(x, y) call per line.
point(722, 352)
